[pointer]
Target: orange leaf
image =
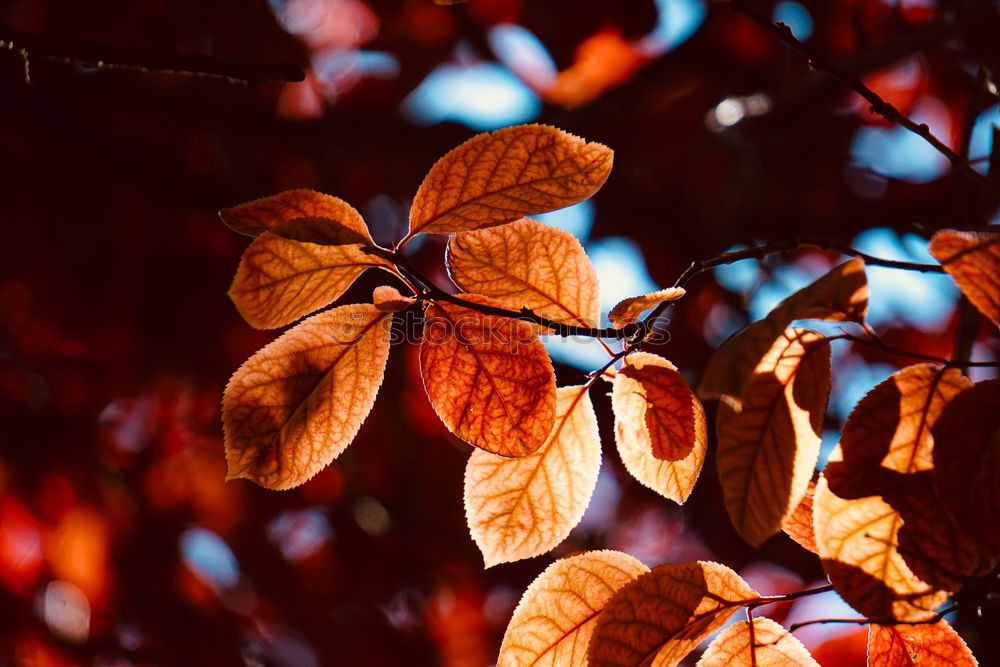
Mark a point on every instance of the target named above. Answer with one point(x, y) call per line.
point(972, 259)
point(659, 425)
point(967, 462)
point(663, 615)
point(523, 507)
point(857, 545)
point(799, 524)
point(766, 644)
point(555, 618)
point(295, 405)
point(528, 264)
point(389, 300)
point(769, 439)
point(501, 176)
point(628, 310)
point(927, 645)
point(489, 378)
point(280, 280)
point(886, 450)
point(267, 213)
point(840, 295)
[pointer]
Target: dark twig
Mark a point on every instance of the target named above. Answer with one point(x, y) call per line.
point(103, 56)
point(877, 342)
point(878, 105)
point(868, 621)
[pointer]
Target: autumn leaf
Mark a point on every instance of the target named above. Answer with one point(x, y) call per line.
point(798, 525)
point(305, 207)
point(840, 295)
point(886, 450)
point(628, 310)
point(767, 644)
point(522, 507)
point(972, 259)
point(663, 615)
point(296, 404)
point(504, 175)
point(389, 300)
point(531, 265)
point(280, 280)
point(769, 439)
point(489, 378)
point(926, 645)
point(857, 545)
point(553, 623)
point(967, 462)
point(659, 425)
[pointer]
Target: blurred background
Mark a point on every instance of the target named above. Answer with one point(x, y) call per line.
point(120, 543)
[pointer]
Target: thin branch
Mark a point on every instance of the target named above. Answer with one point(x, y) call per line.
point(108, 57)
point(868, 621)
point(874, 341)
point(775, 248)
point(878, 105)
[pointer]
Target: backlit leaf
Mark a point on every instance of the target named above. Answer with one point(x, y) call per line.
point(799, 524)
point(280, 280)
point(522, 507)
point(528, 264)
point(767, 645)
point(295, 405)
point(886, 449)
point(857, 544)
point(664, 614)
point(967, 462)
point(504, 175)
point(659, 425)
point(927, 645)
point(840, 295)
point(489, 378)
point(972, 259)
point(628, 310)
point(555, 618)
point(769, 440)
point(306, 206)
point(389, 300)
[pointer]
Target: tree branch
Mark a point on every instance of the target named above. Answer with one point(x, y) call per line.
point(867, 621)
point(107, 57)
point(878, 105)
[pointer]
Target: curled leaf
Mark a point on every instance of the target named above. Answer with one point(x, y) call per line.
point(663, 615)
point(628, 310)
point(926, 645)
point(967, 462)
point(295, 405)
point(972, 259)
point(554, 621)
point(489, 378)
point(304, 206)
point(659, 425)
point(764, 644)
point(389, 300)
point(840, 295)
point(531, 265)
point(769, 440)
point(501, 176)
point(522, 507)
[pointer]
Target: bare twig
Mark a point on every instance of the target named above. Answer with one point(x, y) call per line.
point(878, 104)
point(867, 621)
point(874, 341)
point(103, 56)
